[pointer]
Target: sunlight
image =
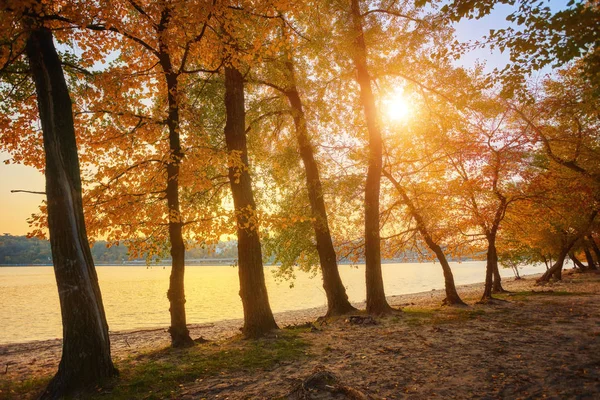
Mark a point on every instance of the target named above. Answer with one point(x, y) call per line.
point(398, 108)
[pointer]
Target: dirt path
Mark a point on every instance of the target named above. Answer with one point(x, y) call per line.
point(534, 345)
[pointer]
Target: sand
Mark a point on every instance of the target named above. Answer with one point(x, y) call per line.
point(527, 347)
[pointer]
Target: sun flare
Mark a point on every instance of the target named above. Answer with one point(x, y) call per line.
point(398, 107)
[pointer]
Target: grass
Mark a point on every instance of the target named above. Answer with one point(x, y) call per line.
point(164, 373)
point(521, 296)
point(22, 389)
point(426, 316)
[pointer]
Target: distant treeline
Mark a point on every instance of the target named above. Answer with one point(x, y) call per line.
point(21, 250)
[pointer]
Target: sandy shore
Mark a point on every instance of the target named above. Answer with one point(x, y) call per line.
point(25, 360)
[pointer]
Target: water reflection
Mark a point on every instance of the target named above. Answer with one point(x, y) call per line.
point(135, 297)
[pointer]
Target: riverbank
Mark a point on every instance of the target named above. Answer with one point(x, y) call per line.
point(545, 340)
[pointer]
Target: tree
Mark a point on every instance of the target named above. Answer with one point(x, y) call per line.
point(542, 35)
point(492, 166)
point(258, 318)
point(337, 299)
point(86, 358)
point(376, 302)
point(153, 61)
point(452, 297)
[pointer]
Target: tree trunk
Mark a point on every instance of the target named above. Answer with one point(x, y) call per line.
point(497, 283)
point(491, 264)
point(556, 269)
point(577, 263)
point(86, 359)
point(595, 248)
point(516, 271)
point(258, 317)
point(376, 301)
point(180, 335)
point(589, 258)
point(452, 297)
point(337, 299)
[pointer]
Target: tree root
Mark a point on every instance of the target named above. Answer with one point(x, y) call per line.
point(492, 301)
point(323, 384)
point(361, 320)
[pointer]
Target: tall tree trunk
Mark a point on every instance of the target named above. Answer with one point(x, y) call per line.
point(258, 317)
point(180, 335)
point(337, 299)
point(376, 301)
point(86, 356)
point(588, 256)
point(452, 296)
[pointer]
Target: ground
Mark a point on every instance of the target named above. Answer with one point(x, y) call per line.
point(540, 341)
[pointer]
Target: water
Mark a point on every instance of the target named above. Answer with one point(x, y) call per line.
point(135, 297)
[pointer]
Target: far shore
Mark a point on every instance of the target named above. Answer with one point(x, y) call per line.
point(225, 262)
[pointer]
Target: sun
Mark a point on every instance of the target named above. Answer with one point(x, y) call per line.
point(398, 108)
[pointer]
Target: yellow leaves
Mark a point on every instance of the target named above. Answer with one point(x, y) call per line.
point(237, 164)
point(174, 216)
point(247, 218)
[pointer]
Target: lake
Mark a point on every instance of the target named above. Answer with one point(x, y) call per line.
point(135, 297)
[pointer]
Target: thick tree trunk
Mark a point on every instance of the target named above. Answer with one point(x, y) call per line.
point(577, 263)
point(258, 317)
point(376, 301)
point(497, 284)
point(588, 256)
point(86, 356)
point(337, 299)
point(180, 335)
point(556, 269)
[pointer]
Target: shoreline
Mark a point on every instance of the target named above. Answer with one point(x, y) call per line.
point(299, 316)
point(41, 357)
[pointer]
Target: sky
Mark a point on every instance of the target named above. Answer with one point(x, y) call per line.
point(15, 208)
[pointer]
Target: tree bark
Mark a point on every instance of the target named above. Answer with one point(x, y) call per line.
point(376, 301)
point(337, 299)
point(497, 284)
point(452, 297)
point(258, 317)
point(491, 263)
point(556, 269)
point(86, 358)
point(578, 263)
point(588, 256)
point(595, 248)
point(180, 335)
